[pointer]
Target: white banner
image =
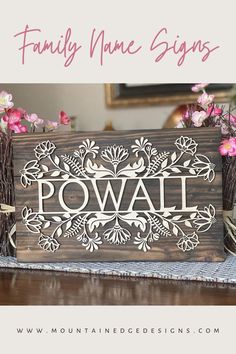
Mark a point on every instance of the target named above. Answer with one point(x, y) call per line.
point(125, 41)
point(117, 329)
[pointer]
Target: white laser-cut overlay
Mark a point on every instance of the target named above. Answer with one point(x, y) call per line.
point(81, 167)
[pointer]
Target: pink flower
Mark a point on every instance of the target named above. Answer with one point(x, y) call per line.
point(228, 147)
point(34, 119)
point(51, 125)
point(205, 99)
point(22, 110)
point(198, 118)
point(231, 118)
point(20, 129)
point(214, 111)
point(199, 87)
point(63, 118)
point(13, 120)
point(5, 101)
point(12, 117)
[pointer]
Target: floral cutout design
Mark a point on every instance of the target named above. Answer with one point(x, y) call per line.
point(150, 225)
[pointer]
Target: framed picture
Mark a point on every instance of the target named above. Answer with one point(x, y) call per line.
point(124, 95)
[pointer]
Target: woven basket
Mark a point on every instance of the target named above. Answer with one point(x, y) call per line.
point(229, 189)
point(7, 195)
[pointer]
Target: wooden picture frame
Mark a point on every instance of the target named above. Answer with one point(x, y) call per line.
point(128, 95)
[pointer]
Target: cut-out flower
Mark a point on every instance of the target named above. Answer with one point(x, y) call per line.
point(48, 243)
point(89, 146)
point(117, 235)
point(204, 167)
point(92, 244)
point(114, 154)
point(140, 145)
point(29, 173)
point(142, 243)
point(44, 149)
point(186, 144)
point(205, 218)
point(188, 242)
point(31, 220)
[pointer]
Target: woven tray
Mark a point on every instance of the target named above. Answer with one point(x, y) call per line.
point(223, 272)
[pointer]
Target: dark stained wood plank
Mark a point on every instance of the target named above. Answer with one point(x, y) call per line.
point(199, 193)
point(22, 287)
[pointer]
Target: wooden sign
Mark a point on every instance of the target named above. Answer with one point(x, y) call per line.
point(132, 195)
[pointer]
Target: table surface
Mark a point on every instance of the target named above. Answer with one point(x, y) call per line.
point(24, 287)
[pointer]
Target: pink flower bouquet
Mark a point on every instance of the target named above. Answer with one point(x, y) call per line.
point(14, 121)
point(205, 113)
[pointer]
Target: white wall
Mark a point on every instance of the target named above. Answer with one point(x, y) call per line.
point(87, 103)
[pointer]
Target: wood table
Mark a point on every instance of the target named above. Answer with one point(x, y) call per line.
point(24, 287)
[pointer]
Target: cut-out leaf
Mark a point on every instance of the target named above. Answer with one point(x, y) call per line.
point(175, 231)
point(66, 167)
point(45, 168)
point(165, 174)
point(56, 218)
point(176, 170)
point(186, 163)
point(187, 223)
point(56, 160)
point(59, 231)
point(166, 224)
point(134, 169)
point(166, 214)
point(55, 174)
point(177, 217)
point(97, 171)
point(173, 156)
point(68, 224)
point(41, 217)
point(66, 176)
point(134, 219)
point(164, 163)
point(47, 224)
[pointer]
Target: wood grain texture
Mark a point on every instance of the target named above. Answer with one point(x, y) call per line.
point(27, 287)
point(199, 192)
